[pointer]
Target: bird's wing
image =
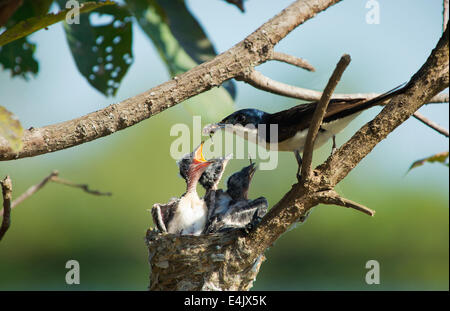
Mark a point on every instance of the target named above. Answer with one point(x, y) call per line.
point(298, 118)
point(158, 218)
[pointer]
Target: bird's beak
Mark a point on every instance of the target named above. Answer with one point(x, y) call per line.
point(198, 156)
point(252, 170)
point(212, 128)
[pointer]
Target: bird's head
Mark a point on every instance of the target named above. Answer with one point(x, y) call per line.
point(199, 163)
point(212, 175)
point(240, 118)
point(239, 183)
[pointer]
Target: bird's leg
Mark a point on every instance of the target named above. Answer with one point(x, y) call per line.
point(333, 149)
point(299, 162)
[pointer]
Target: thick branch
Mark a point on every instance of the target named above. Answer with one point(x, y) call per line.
point(252, 51)
point(319, 113)
point(7, 194)
point(430, 123)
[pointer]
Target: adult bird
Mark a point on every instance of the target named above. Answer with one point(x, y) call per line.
point(292, 124)
point(188, 214)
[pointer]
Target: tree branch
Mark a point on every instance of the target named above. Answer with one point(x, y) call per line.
point(289, 59)
point(252, 51)
point(83, 187)
point(33, 189)
point(7, 193)
point(319, 113)
point(53, 177)
point(430, 123)
point(332, 197)
point(445, 15)
point(260, 81)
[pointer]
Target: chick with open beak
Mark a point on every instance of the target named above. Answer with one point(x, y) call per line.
point(211, 176)
point(187, 215)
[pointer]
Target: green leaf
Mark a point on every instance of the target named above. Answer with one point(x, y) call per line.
point(102, 53)
point(176, 34)
point(11, 129)
point(439, 157)
point(35, 23)
point(18, 57)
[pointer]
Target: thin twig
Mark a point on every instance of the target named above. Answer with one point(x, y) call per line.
point(81, 186)
point(292, 60)
point(332, 197)
point(319, 113)
point(32, 190)
point(260, 81)
point(7, 194)
point(53, 177)
point(431, 124)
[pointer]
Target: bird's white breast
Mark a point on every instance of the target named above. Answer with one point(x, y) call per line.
point(297, 142)
point(190, 216)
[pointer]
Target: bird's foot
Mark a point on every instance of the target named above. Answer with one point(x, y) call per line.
point(299, 175)
point(333, 148)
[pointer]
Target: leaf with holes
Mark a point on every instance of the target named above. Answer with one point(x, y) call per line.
point(176, 34)
point(102, 53)
point(18, 57)
point(10, 129)
point(35, 23)
point(439, 157)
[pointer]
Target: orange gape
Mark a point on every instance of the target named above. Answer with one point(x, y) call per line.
point(198, 156)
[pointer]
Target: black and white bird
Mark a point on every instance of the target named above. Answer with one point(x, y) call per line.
point(188, 214)
point(293, 124)
point(232, 209)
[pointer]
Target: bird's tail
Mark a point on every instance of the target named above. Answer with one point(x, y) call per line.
point(383, 97)
point(357, 105)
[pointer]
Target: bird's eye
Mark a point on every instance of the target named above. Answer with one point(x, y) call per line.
point(240, 118)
